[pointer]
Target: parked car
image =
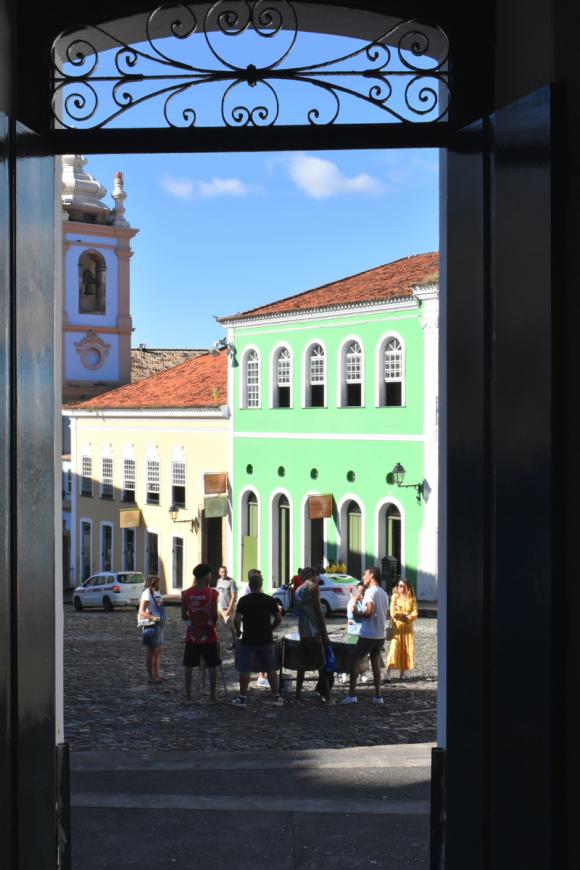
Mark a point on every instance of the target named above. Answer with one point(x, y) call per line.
point(109, 589)
point(334, 593)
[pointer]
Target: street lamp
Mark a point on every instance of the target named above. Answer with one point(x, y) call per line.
point(173, 511)
point(223, 344)
point(398, 474)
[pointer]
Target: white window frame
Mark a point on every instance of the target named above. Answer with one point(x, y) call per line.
point(380, 390)
point(102, 526)
point(249, 351)
point(86, 458)
point(275, 374)
point(175, 463)
point(306, 381)
point(127, 479)
point(341, 368)
point(109, 480)
point(149, 462)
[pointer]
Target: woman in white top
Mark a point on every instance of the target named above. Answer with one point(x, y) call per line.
point(151, 618)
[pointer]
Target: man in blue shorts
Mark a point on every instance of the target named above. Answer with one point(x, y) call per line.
point(259, 615)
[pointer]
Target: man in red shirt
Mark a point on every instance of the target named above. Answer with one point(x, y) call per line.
point(199, 609)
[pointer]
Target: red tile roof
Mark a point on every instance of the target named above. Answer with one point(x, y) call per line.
point(391, 281)
point(198, 383)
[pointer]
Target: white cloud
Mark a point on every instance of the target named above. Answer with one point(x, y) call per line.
point(222, 187)
point(321, 179)
point(182, 188)
point(187, 188)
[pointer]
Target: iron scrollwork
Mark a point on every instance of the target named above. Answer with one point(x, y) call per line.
point(403, 73)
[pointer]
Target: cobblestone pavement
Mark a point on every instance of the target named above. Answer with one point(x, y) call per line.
point(110, 706)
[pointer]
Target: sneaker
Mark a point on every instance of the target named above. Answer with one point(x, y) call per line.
point(277, 701)
point(263, 683)
point(239, 702)
point(348, 699)
point(378, 700)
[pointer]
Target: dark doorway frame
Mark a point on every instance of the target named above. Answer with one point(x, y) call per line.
point(490, 180)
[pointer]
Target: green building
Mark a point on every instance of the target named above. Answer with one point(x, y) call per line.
point(330, 390)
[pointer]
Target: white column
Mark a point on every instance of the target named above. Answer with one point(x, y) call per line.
point(428, 296)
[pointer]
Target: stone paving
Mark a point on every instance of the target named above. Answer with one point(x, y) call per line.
point(110, 706)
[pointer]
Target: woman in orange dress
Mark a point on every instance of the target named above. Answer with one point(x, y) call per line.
point(403, 608)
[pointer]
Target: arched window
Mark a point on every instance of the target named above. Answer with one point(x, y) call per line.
point(315, 377)
point(391, 387)
point(251, 386)
point(92, 283)
point(352, 367)
point(282, 380)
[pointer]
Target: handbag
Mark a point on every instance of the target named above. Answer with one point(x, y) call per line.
point(391, 631)
point(146, 623)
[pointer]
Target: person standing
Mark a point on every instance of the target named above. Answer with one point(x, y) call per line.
point(151, 610)
point(228, 596)
point(373, 618)
point(261, 679)
point(258, 614)
point(403, 615)
point(313, 635)
point(199, 607)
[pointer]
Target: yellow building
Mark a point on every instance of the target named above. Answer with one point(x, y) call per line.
point(149, 488)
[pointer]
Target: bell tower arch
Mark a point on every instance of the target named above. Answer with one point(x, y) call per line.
point(96, 317)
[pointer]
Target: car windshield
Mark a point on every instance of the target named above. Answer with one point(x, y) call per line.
point(131, 578)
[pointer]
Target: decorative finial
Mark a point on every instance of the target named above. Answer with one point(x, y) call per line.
point(119, 195)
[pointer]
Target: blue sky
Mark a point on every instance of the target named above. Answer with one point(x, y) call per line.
point(221, 233)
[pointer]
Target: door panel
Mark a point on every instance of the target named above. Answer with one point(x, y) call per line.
point(463, 603)
point(34, 462)
point(249, 556)
point(497, 673)
point(520, 735)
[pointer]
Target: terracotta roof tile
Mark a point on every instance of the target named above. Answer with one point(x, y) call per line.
point(147, 361)
point(391, 281)
point(198, 383)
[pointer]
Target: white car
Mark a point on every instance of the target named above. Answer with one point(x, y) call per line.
point(335, 592)
point(109, 589)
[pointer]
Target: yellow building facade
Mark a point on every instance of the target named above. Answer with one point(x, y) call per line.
point(149, 487)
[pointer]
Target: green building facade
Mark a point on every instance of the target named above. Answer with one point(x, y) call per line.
point(329, 391)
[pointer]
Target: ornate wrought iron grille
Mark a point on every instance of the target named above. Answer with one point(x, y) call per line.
point(251, 53)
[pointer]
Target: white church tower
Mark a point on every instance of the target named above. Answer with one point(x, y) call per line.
point(96, 320)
